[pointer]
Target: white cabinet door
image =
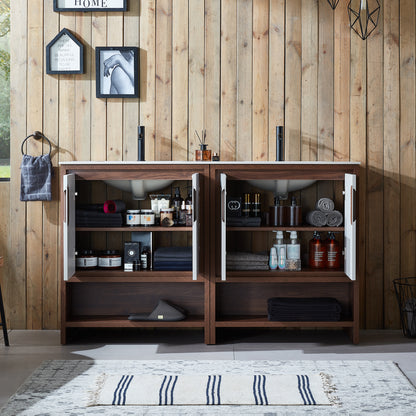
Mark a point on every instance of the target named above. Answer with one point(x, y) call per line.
point(195, 225)
point(350, 225)
point(69, 225)
point(223, 226)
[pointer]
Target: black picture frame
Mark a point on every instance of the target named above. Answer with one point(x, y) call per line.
point(117, 71)
point(64, 57)
point(88, 6)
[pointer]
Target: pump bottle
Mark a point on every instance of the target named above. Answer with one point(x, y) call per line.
point(317, 252)
point(176, 205)
point(333, 250)
point(281, 250)
point(293, 261)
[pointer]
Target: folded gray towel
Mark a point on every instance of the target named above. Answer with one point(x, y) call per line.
point(334, 219)
point(325, 205)
point(246, 256)
point(316, 218)
point(36, 178)
point(248, 267)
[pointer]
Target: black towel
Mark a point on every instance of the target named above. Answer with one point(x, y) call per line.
point(173, 253)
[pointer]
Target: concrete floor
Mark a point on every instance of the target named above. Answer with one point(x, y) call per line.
point(29, 348)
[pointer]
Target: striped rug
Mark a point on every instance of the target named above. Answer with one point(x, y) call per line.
point(217, 389)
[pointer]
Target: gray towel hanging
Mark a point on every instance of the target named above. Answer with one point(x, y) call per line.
point(36, 174)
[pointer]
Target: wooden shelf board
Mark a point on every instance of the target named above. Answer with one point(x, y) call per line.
point(281, 276)
point(123, 322)
point(263, 322)
point(130, 229)
point(309, 228)
point(120, 276)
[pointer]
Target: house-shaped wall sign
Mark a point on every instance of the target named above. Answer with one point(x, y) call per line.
point(65, 54)
point(90, 5)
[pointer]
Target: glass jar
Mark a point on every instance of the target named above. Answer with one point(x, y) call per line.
point(86, 260)
point(166, 217)
point(110, 260)
point(147, 217)
point(133, 217)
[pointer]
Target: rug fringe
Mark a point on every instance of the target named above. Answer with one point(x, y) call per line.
point(330, 389)
point(94, 394)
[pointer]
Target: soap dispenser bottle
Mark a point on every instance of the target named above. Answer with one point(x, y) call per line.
point(281, 250)
point(317, 252)
point(333, 252)
point(293, 261)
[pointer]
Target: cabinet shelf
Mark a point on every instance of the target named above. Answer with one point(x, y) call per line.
point(261, 321)
point(100, 321)
point(120, 276)
point(309, 228)
point(274, 276)
point(155, 228)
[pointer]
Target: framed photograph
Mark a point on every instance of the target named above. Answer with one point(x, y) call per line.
point(117, 74)
point(64, 54)
point(89, 5)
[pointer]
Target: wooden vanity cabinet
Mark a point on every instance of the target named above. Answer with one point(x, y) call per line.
point(214, 297)
point(239, 298)
point(104, 298)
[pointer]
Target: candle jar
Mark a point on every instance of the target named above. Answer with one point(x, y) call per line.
point(203, 154)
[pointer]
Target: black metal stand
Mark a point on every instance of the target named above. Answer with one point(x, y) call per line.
point(3, 321)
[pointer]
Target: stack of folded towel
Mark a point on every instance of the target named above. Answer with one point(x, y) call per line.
point(172, 258)
point(325, 214)
point(91, 218)
point(304, 309)
point(247, 261)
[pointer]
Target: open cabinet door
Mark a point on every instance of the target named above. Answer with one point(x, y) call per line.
point(223, 179)
point(195, 225)
point(69, 225)
point(350, 225)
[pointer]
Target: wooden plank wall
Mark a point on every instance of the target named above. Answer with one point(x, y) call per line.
point(236, 68)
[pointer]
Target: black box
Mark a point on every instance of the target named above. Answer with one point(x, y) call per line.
point(131, 251)
point(234, 206)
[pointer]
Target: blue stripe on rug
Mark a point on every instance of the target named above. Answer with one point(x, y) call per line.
point(254, 390)
point(218, 390)
point(173, 388)
point(126, 388)
point(301, 390)
point(116, 390)
point(266, 402)
point(308, 390)
point(161, 390)
point(207, 390)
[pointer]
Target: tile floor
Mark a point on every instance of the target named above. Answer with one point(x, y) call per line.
point(29, 348)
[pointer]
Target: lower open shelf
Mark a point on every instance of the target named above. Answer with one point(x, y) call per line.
point(196, 321)
point(261, 321)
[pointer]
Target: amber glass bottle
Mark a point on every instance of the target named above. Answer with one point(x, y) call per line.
point(317, 252)
point(333, 251)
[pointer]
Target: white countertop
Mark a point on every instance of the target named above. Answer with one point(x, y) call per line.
point(181, 162)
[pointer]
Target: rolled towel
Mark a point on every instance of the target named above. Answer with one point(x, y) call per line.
point(325, 205)
point(316, 218)
point(111, 207)
point(334, 219)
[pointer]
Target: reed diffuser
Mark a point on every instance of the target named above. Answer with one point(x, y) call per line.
point(203, 153)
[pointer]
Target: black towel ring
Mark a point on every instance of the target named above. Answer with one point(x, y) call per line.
point(37, 135)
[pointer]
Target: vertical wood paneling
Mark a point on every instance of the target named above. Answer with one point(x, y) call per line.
point(5, 245)
point(293, 79)
point(196, 75)
point(98, 105)
point(51, 240)
point(131, 28)
point(15, 288)
point(407, 138)
point(163, 144)
point(212, 73)
point(342, 48)
point(228, 79)
point(148, 74)
point(34, 122)
point(180, 80)
point(237, 69)
point(276, 71)
point(114, 105)
point(260, 134)
point(245, 61)
point(374, 197)
point(391, 162)
point(309, 105)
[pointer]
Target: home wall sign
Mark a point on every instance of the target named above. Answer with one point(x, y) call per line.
point(90, 5)
point(65, 54)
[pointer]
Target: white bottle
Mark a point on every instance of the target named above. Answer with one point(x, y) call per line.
point(273, 258)
point(293, 252)
point(281, 250)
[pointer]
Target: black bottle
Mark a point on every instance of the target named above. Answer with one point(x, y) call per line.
point(188, 200)
point(176, 205)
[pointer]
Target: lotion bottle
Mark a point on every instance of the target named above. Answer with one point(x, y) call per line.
point(293, 261)
point(317, 252)
point(273, 258)
point(281, 250)
point(333, 251)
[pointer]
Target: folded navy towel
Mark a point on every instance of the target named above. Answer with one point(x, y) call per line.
point(36, 178)
point(173, 253)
